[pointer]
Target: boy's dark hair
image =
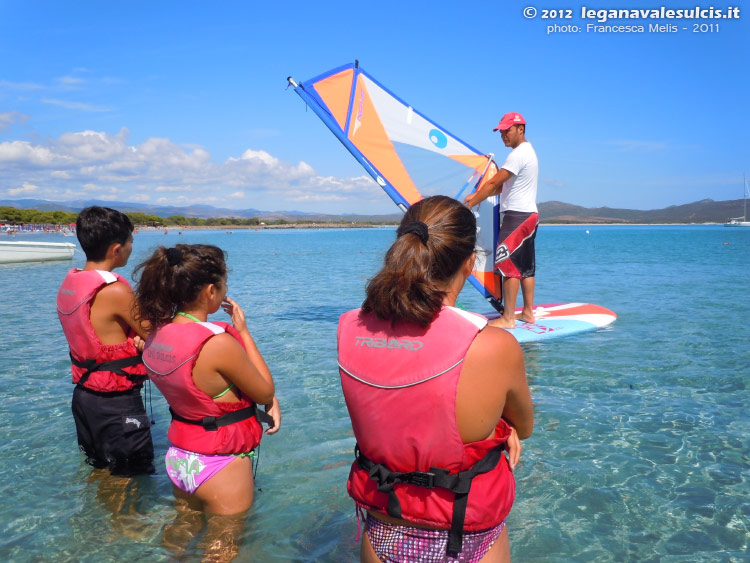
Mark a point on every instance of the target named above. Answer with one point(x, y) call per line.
point(99, 227)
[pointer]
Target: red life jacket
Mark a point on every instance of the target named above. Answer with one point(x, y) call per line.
point(95, 366)
point(400, 388)
point(199, 424)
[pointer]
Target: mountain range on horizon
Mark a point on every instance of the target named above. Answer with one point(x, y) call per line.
point(704, 211)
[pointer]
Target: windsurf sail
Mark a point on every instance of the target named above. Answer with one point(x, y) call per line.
point(406, 153)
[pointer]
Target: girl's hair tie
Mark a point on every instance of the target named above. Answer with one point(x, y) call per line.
point(174, 256)
point(419, 229)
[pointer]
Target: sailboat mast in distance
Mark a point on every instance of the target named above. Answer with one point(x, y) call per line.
point(741, 221)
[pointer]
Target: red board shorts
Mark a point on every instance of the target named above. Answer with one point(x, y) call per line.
point(514, 256)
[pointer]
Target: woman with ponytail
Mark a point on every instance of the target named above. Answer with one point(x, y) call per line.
point(211, 374)
point(435, 395)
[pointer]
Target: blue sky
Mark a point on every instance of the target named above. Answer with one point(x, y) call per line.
point(180, 102)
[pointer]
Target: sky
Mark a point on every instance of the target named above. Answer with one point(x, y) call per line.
point(175, 103)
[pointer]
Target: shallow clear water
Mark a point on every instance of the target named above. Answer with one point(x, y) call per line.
point(641, 450)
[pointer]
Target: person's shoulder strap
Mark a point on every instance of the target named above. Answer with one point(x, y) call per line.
point(216, 329)
point(477, 320)
point(108, 277)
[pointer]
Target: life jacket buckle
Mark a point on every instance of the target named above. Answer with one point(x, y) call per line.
point(420, 479)
point(209, 423)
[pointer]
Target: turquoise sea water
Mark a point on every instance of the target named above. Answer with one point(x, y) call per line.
point(641, 450)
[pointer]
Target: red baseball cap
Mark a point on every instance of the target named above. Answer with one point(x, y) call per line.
point(509, 120)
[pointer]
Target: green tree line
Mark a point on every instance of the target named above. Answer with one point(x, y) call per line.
point(182, 221)
point(17, 216)
point(22, 216)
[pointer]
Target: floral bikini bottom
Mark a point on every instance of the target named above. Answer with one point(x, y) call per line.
point(189, 470)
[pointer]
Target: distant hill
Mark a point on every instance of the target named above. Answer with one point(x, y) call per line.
point(202, 211)
point(704, 211)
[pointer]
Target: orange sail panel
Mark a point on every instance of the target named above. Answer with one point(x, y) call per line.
point(335, 91)
point(367, 133)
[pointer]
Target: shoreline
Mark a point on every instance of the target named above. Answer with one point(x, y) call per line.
point(266, 227)
point(229, 228)
point(627, 224)
point(389, 225)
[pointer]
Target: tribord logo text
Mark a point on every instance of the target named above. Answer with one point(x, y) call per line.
point(392, 344)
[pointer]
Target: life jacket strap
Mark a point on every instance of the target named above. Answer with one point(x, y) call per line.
point(115, 366)
point(213, 423)
point(458, 483)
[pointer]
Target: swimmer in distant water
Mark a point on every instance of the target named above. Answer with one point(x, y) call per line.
point(432, 391)
point(212, 375)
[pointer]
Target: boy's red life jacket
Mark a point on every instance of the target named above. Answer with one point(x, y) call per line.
point(199, 424)
point(98, 367)
point(400, 387)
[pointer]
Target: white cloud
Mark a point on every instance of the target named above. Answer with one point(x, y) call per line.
point(26, 154)
point(172, 189)
point(552, 182)
point(79, 164)
point(70, 82)
point(93, 146)
point(22, 86)
point(10, 118)
point(184, 200)
point(100, 189)
point(78, 106)
point(25, 189)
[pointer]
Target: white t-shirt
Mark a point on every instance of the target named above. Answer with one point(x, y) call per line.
point(519, 192)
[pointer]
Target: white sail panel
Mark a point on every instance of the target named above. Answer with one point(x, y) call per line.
point(404, 125)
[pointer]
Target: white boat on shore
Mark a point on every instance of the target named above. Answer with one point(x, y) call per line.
point(741, 221)
point(12, 252)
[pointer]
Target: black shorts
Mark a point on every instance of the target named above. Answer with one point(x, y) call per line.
point(114, 431)
point(515, 255)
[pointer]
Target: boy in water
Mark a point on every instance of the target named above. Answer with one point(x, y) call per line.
point(95, 307)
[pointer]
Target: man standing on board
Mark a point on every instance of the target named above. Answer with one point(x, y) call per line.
point(95, 307)
point(516, 181)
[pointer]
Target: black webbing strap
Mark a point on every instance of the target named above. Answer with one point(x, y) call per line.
point(115, 366)
point(458, 483)
point(213, 423)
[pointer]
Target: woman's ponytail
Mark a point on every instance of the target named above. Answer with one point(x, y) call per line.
point(435, 237)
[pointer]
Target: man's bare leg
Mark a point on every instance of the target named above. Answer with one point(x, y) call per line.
point(510, 292)
point(527, 290)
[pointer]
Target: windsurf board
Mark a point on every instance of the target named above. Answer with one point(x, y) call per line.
point(554, 320)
